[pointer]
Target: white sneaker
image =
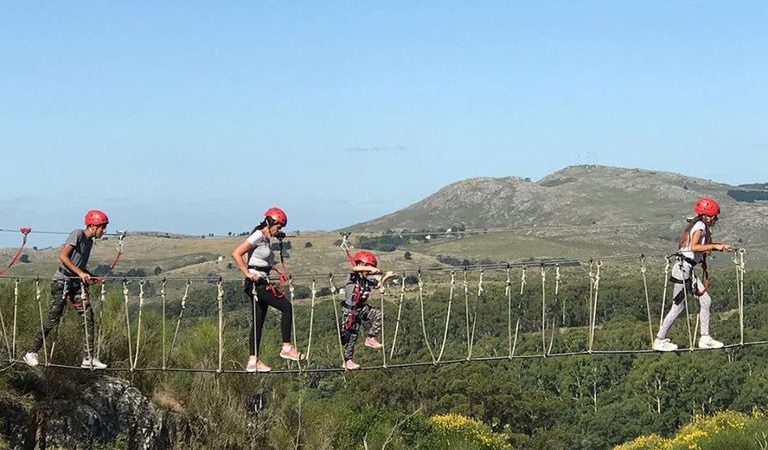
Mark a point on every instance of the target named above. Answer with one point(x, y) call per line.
point(708, 342)
point(31, 359)
point(92, 363)
point(664, 345)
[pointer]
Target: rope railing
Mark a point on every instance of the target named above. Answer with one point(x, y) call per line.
point(547, 335)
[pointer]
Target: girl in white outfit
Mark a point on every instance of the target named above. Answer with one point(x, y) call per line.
point(695, 243)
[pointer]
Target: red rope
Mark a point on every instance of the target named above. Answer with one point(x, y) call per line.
point(118, 254)
point(24, 231)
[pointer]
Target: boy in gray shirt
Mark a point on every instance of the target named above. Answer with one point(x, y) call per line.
point(71, 283)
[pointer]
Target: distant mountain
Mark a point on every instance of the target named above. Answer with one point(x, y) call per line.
point(591, 197)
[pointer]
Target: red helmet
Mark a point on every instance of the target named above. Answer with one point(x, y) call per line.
point(365, 257)
point(707, 207)
point(277, 214)
point(96, 217)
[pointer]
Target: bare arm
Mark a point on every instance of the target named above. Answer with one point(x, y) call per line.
point(65, 256)
point(714, 246)
point(238, 255)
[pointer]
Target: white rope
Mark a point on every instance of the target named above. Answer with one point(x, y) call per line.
point(466, 313)
point(84, 298)
point(508, 294)
point(598, 265)
point(557, 290)
point(181, 314)
point(448, 314)
point(423, 324)
point(685, 297)
point(138, 324)
point(590, 299)
point(399, 314)
point(383, 346)
point(664, 292)
point(293, 321)
point(256, 341)
point(5, 335)
point(15, 314)
point(543, 310)
point(338, 320)
point(127, 325)
point(738, 260)
point(311, 318)
point(643, 271)
point(100, 325)
point(38, 297)
point(64, 293)
point(162, 296)
point(220, 302)
point(519, 310)
point(480, 291)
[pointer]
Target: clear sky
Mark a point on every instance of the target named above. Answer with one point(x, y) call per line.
point(196, 116)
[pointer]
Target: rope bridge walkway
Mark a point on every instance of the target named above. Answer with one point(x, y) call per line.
point(461, 295)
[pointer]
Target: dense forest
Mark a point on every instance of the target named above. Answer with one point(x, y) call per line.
point(530, 401)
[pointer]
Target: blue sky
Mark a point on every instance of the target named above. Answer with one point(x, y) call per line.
point(196, 116)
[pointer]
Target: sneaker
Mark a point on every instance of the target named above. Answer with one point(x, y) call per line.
point(92, 363)
point(372, 343)
point(31, 359)
point(257, 366)
point(292, 354)
point(708, 342)
point(664, 345)
point(350, 365)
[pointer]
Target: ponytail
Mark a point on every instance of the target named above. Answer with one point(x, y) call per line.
point(264, 224)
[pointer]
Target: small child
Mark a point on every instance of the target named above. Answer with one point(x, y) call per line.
point(365, 277)
point(694, 245)
point(71, 283)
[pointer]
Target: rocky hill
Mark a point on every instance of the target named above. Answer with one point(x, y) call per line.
point(586, 203)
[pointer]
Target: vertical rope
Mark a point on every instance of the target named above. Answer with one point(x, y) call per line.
point(15, 315)
point(399, 314)
point(557, 290)
point(83, 300)
point(100, 325)
point(543, 310)
point(181, 314)
point(423, 323)
point(643, 271)
point(5, 335)
point(383, 346)
point(448, 314)
point(664, 292)
point(508, 294)
point(220, 302)
point(128, 324)
point(480, 292)
point(64, 293)
point(162, 296)
point(38, 297)
point(255, 300)
point(598, 265)
point(138, 324)
point(519, 310)
point(291, 292)
point(311, 317)
point(591, 294)
point(685, 297)
point(466, 313)
point(338, 320)
point(738, 260)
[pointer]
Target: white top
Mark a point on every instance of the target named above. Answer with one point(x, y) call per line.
point(686, 249)
point(260, 257)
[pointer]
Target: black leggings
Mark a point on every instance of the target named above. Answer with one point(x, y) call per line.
point(265, 297)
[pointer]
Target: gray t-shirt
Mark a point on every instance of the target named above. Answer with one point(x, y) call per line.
point(260, 258)
point(81, 251)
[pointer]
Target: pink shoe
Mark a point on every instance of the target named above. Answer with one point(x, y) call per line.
point(292, 354)
point(372, 343)
point(350, 365)
point(257, 366)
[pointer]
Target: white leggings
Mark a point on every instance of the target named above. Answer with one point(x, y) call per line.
point(705, 301)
